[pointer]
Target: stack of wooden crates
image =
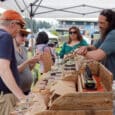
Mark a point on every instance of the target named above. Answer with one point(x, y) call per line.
point(85, 103)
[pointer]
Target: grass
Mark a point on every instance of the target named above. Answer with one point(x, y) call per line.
point(35, 71)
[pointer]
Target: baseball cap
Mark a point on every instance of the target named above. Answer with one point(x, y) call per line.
point(12, 15)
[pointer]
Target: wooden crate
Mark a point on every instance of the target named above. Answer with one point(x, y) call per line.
point(88, 100)
point(84, 103)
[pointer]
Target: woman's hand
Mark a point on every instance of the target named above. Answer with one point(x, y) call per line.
point(34, 59)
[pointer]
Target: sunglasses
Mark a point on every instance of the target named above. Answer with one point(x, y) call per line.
point(21, 25)
point(23, 35)
point(72, 32)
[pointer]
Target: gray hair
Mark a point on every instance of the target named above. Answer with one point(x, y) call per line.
point(6, 22)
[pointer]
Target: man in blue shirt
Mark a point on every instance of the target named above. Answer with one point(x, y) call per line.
point(10, 22)
point(104, 49)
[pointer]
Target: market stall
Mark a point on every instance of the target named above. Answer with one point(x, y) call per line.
point(76, 86)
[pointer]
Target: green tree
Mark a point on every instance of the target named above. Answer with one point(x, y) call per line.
point(36, 25)
point(54, 32)
point(43, 24)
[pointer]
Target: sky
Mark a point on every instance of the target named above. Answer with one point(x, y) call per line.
point(50, 20)
point(2, 10)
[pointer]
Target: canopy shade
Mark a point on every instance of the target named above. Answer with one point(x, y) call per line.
point(59, 8)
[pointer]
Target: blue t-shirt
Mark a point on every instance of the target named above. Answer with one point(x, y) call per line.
point(108, 46)
point(7, 52)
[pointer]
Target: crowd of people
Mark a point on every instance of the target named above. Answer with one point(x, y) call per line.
point(15, 67)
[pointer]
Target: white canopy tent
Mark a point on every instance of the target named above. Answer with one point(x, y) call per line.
point(50, 35)
point(59, 8)
point(2, 10)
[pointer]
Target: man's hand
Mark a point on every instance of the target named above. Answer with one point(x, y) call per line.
point(82, 50)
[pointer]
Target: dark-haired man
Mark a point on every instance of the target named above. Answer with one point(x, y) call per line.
point(104, 49)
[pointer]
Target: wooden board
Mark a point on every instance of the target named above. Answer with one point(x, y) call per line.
point(83, 101)
point(70, 76)
point(78, 112)
point(106, 77)
point(39, 104)
point(80, 89)
point(63, 87)
point(94, 66)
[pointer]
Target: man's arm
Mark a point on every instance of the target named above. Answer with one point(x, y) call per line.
point(84, 49)
point(7, 77)
point(107, 47)
point(98, 54)
point(91, 47)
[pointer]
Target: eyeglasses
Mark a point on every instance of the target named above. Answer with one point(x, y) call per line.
point(23, 35)
point(72, 32)
point(21, 25)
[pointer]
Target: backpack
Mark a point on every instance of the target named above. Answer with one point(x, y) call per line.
point(47, 59)
point(52, 56)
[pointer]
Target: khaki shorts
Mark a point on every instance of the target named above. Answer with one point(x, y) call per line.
point(7, 103)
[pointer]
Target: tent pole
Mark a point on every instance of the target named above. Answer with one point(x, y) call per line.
point(31, 17)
